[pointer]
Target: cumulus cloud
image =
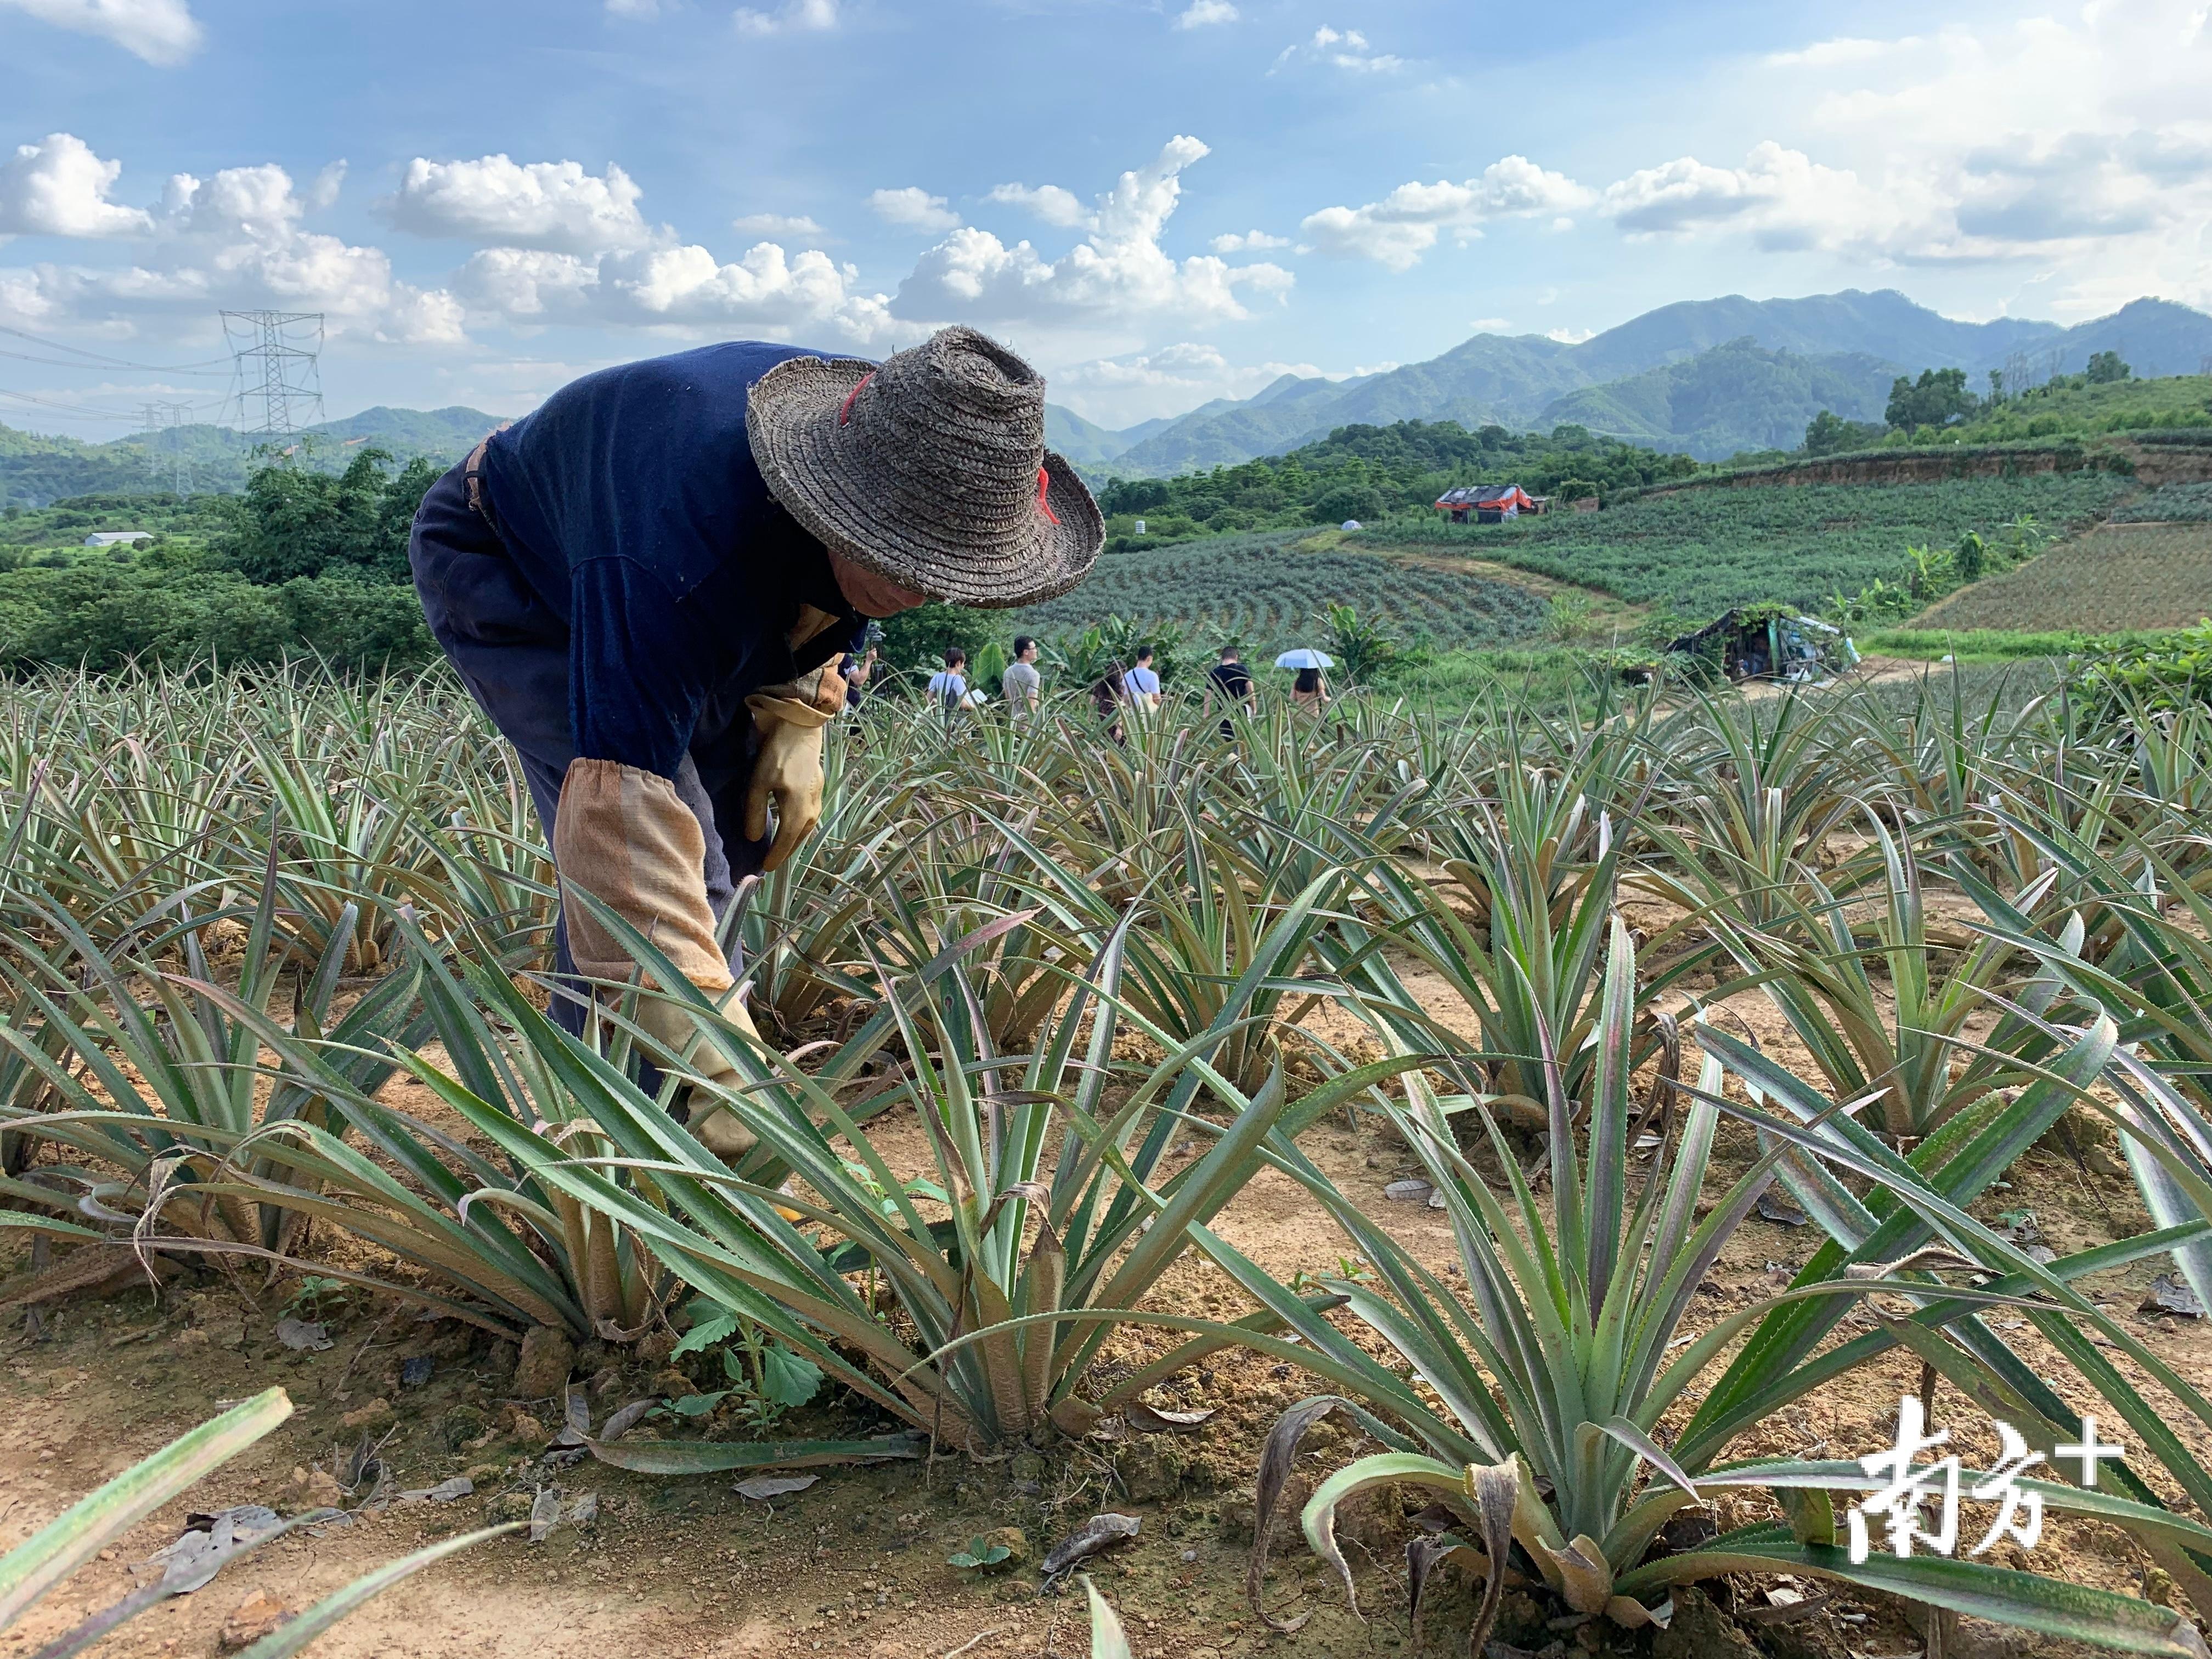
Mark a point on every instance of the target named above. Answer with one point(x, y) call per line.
point(1248, 241)
point(1049, 203)
point(2074, 139)
point(58, 187)
point(1344, 49)
point(912, 208)
point(1490, 325)
point(162, 32)
point(1202, 13)
point(1571, 335)
point(1117, 276)
point(1396, 231)
point(776, 224)
point(767, 290)
point(232, 240)
point(793, 17)
point(555, 205)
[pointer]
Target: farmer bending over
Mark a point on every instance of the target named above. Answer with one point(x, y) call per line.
point(649, 584)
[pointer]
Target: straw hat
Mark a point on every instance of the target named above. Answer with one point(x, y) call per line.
point(929, 468)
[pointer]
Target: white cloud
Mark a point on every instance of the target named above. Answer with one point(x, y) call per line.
point(1844, 49)
point(767, 290)
point(1344, 49)
point(776, 224)
point(914, 208)
point(555, 205)
point(58, 187)
point(2076, 139)
point(1490, 325)
point(1202, 13)
point(1571, 335)
point(234, 240)
point(1248, 241)
point(793, 17)
point(1399, 229)
point(633, 8)
point(1132, 386)
point(1117, 277)
point(1049, 203)
point(161, 32)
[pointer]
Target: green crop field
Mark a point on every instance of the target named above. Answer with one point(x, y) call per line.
point(1258, 588)
point(2119, 577)
point(2172, 504)
point(1702, 550)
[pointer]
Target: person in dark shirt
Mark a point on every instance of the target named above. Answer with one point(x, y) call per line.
point(649, 584)
point(1231, 682)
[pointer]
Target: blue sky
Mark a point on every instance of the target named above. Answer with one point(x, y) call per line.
point(1160, 204)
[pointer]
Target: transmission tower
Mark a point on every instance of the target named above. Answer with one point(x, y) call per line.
point(275, 374)
point(165, 444)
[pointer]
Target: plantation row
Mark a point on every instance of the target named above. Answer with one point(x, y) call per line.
point(1086, 969)
point(1256, 590)
point(1702, 550)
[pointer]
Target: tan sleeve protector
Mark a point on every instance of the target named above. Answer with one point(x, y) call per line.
point(623, 836)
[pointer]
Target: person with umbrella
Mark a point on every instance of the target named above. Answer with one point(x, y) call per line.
point(1311, 688)
point(649, 584)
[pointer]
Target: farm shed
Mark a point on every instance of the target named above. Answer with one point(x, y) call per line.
point(1487, 503)
point(1761, 642)
point(112, 538)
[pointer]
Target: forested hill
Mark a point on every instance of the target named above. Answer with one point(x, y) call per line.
point(1365, 472)
point(36, 470)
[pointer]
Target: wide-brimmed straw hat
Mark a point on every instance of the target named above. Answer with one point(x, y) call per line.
point(929, 468)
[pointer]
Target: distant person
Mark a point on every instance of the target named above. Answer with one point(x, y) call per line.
point(1230, 682)
point(1143, 683)
point(1309, 690)
point(856, 670)
point(1022, 685)
point(948, 687)
point(1106, 699)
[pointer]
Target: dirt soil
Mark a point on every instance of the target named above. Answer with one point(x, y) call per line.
point(857, 1563)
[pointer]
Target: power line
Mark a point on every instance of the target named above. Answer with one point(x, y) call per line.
point(208, 366)
point(273, 368)
point(82, 410)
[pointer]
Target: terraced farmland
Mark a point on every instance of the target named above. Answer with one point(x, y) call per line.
point(2119, 577)
point(1258, 588)
point(1702, 550)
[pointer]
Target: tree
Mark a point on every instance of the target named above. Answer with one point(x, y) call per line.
point(2106, 368)
point(293, 521)
point(1348, 501)
point(1830, 434)
point(1938, 397)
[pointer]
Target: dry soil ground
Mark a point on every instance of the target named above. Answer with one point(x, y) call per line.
point(857, 1564)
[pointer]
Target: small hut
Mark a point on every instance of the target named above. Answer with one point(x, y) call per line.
point(1486, 503)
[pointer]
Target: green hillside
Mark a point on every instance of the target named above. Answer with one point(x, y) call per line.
point(35, 470)
point(2073, 406)
point(1701, 551)
point(1732, 397)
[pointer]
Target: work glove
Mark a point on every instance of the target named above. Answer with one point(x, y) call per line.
point(787, 768)
point(685, 1045)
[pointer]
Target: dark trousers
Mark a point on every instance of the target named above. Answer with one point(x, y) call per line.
point(512, 653)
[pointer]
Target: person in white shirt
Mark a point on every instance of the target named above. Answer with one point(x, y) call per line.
point(1022, 685)
point(948, 687)
point(1142, 682)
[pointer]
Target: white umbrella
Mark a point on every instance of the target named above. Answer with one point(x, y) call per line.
point(1305, 658)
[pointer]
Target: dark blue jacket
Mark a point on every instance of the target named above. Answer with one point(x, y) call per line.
point(631, 506)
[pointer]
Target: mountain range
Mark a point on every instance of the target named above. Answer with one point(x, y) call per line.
point(1708, 377)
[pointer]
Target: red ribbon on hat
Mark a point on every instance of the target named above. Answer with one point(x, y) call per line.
point(845, 409)
point(1044, 484)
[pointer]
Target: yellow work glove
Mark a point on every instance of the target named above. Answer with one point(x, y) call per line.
point(787, 769)
point(677, 1034)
